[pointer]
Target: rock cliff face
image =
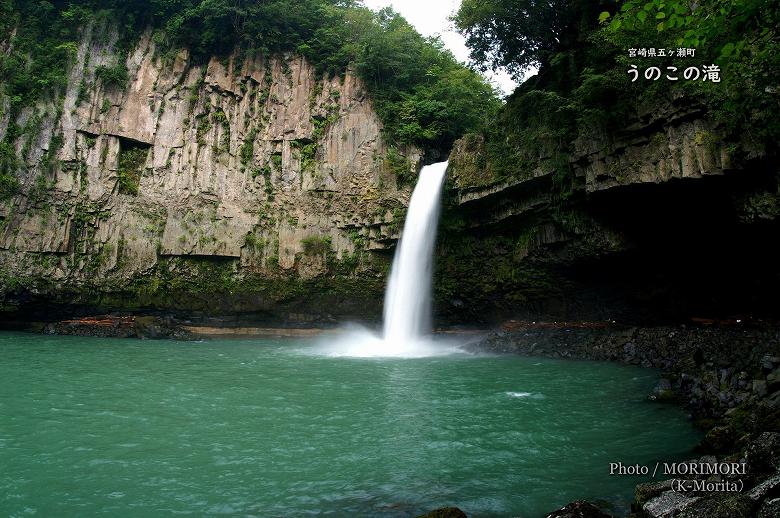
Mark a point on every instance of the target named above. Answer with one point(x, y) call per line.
point(665, 218)
point(248, 183)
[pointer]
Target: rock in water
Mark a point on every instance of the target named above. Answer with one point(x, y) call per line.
point(663, 390)
point(579, 509)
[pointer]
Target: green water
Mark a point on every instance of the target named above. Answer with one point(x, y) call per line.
point(265, 428)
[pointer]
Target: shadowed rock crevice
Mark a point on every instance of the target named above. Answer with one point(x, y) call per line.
point(664, 220)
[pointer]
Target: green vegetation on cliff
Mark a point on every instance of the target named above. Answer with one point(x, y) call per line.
point(740, 36)
point(541, 190)
point(422, 94)
point(583, 87)
point(130, 163)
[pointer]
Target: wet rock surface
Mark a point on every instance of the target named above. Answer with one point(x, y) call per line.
point(770, 508)
point(667, 504)
point(648, 491)
point(112, 326)
point(723, 505)
point(579, 509)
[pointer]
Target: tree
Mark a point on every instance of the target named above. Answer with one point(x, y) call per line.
point(740, 36)
point(421, 93)
point(518, 34)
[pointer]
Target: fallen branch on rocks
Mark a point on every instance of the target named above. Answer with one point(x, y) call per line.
point(102, 321)
point(125, 326)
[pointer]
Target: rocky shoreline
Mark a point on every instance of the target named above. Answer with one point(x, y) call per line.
point(158, 327)
point(726, 374)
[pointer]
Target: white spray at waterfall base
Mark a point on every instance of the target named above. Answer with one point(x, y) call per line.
point(408, 298)
point(407, 315)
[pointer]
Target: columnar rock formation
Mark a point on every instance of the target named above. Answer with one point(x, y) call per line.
point(665, 217)
point(254, 165)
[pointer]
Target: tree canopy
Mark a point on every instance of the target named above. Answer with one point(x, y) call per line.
point(422, 94)
point(518, 34)
point(582, 50)
point(740, 36)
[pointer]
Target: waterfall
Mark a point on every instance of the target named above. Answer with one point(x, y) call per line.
point(407, 314)
point(408, 297)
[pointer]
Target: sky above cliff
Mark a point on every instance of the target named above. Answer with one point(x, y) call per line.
point(431, 17)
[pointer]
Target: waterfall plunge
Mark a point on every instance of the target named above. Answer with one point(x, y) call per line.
point(408, 298)
point(407, 313)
